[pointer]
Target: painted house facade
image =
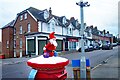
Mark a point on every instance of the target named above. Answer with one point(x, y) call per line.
point(29, 32)
point(31, 29)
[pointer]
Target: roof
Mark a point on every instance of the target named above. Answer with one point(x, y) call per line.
point(39, 15)
point(10, 24)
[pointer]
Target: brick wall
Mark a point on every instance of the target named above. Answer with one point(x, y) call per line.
point(7, 35)
point(0, 47)
point(18, 36)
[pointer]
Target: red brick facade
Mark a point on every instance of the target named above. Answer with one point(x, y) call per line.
point(7, 42)
point(18, 36)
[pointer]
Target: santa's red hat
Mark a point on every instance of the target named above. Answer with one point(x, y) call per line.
point(51, 35)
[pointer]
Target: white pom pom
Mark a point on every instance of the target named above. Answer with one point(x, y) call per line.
point(44, 48)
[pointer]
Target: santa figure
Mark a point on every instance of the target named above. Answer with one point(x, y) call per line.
point(51, 46)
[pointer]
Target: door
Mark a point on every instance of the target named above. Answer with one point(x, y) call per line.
point(31, 46)
point(41, 44)
point(60, 45)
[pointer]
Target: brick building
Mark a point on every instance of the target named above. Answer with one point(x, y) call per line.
point(28, 33)
point(7, 39)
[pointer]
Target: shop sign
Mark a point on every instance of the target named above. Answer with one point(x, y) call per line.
point(73, 40)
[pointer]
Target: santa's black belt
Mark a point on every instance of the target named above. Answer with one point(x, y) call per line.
point(50, 50)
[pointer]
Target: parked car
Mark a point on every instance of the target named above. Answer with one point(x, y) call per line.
point(118, 43)
point(91, 47)
point(107, 46)
point(97, 46)
point(86, 49)
point(114, 44)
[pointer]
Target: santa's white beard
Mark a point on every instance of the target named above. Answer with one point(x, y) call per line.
point(53, 42)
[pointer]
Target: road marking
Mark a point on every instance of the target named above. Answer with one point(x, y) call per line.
point(96, 66)
point(101, 64)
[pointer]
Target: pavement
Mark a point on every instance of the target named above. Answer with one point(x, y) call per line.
point(109, 67)
point(15, 60)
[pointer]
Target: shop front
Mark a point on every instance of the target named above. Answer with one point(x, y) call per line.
point(71, 44)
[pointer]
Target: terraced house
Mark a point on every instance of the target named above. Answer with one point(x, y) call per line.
point(28, 33)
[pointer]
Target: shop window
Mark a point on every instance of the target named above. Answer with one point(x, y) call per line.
point(72, 45)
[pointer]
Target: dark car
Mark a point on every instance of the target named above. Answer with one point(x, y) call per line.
point(86, 49)
point(118, 43)
point(107, 46)
point(91, 47)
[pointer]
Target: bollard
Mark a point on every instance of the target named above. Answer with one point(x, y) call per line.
point(88, 75)
point(76, 69)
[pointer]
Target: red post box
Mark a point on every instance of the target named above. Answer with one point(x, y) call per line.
point(52, 68)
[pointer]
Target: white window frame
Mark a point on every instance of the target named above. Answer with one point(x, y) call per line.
point(14, 31)
point(20, 29)
point(21, 17)
point(7, 44)
point(29, 27)
point(25, 16)
point(20, 43)
point(53, 26)
point(70, 31)
point(14, 43)
point(49, 27)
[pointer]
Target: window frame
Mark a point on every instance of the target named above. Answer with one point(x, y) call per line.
point(7, 44)
point(21, 17)
point(21, 31)
point(20, 43)
point(25, 16)
point(28, 27)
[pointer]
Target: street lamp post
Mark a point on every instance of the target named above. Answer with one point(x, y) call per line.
point(83, 60)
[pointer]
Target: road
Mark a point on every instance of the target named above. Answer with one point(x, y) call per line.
point(21, 70)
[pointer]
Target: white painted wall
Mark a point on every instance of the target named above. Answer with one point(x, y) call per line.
point(45, 27)
point(76, 33)
point(39, 26)
point(58, 30)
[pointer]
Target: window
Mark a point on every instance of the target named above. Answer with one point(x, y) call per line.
point(70, 31)
point(21, 17)
point(48, 27)
point(25, 16)
point(46, 14)
point(67, 30)
point(72, 45)
point(20, 29)
point(14, 43)
point(14, 31)
point(53, 27)
point(7, 44)
point(20, 43)
point(28, 27)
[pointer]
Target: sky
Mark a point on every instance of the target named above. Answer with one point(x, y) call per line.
point(100, 13)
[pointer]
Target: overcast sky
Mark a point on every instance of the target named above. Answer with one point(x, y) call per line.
point(101, 13)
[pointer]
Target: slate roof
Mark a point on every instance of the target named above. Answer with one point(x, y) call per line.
point(39, 15)
point(10, 24)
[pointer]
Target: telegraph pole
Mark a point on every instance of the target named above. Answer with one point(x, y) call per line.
point(83, 60)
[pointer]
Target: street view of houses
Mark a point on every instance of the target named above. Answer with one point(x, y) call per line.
point(24, 37)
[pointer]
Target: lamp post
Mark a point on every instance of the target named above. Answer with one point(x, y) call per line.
point(83, 60)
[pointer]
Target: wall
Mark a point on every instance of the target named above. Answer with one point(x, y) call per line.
point(18, 36)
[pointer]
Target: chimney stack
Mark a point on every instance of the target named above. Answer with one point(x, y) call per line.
point(50, 11)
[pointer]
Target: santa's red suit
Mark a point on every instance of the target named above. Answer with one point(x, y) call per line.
point(51, 45)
